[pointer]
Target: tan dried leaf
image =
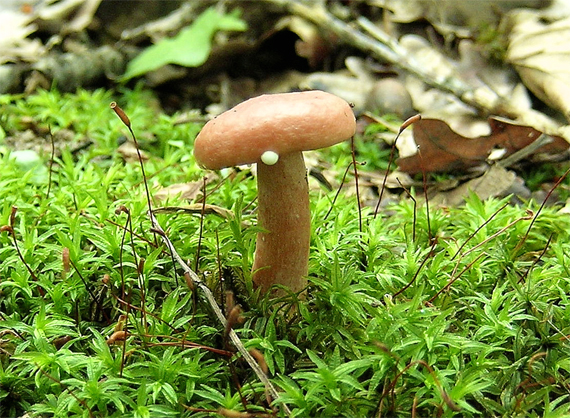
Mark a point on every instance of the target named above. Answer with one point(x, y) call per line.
point(453, 15)
point(128, 151)
point(495, 182)
point(185, 191)
point(540, 53)
point(15, 27)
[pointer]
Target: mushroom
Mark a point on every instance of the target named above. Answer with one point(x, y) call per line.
point(273, 131)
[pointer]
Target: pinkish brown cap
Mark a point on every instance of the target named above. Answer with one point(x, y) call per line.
point(281, 123)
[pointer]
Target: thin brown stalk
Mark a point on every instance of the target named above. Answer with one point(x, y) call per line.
point(408, 122)
point(478, 229)
point(426, 258)
point(68, 390)
point(52, 157)
point(454, 278)
point(353, 155)
point(234, 338)
point(201, 228)
point(537, 260)
point(523, 240)
point(415, 203)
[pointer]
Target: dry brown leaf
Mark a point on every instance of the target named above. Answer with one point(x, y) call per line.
point(495, 182)
point(443, 150)
point(474, 69)
point(453, 16)
point(15, 27)
point(352, 89)
point(436, 103)
point(128, 151)
point(540, 53)
point(185, 191)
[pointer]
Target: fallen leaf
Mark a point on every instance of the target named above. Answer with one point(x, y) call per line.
point(128, 151)
point(440, 149)
point(15, 27)
point(352, 89)
point(495, 182)
point(185, 191)
point(452, 16)
point(540, 53)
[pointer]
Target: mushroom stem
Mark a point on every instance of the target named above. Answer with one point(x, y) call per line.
point(282, 253)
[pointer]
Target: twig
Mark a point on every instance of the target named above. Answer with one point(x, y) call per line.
point(191, 277)
point(413, 199)
point(218, 312)
point(201, 230)
point(411, 282)
point(537, 260)
point(526, 151)
point(10, 229)
point(527, 217)
point(157, 29)
point(340, 188)
point(66, 389)
point(126, 121)
point(408, 122)
point(453, 279)
point(478, 229)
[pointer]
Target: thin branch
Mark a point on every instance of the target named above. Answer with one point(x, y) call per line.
point(408, 122)
point(478, 229)
point(218, 312)
point(523, 240)
point(526, 151)
point(191, 277)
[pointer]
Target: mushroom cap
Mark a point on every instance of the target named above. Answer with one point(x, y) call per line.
point(282, 123)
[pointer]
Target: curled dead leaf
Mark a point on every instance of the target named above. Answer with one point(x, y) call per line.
point(540, 53)
point(440, 149)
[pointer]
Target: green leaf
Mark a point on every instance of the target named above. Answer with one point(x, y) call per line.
point(315, 359)
point(190, 48)
point(142, 412)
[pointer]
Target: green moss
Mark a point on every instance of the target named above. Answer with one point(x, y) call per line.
point(469, 313)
